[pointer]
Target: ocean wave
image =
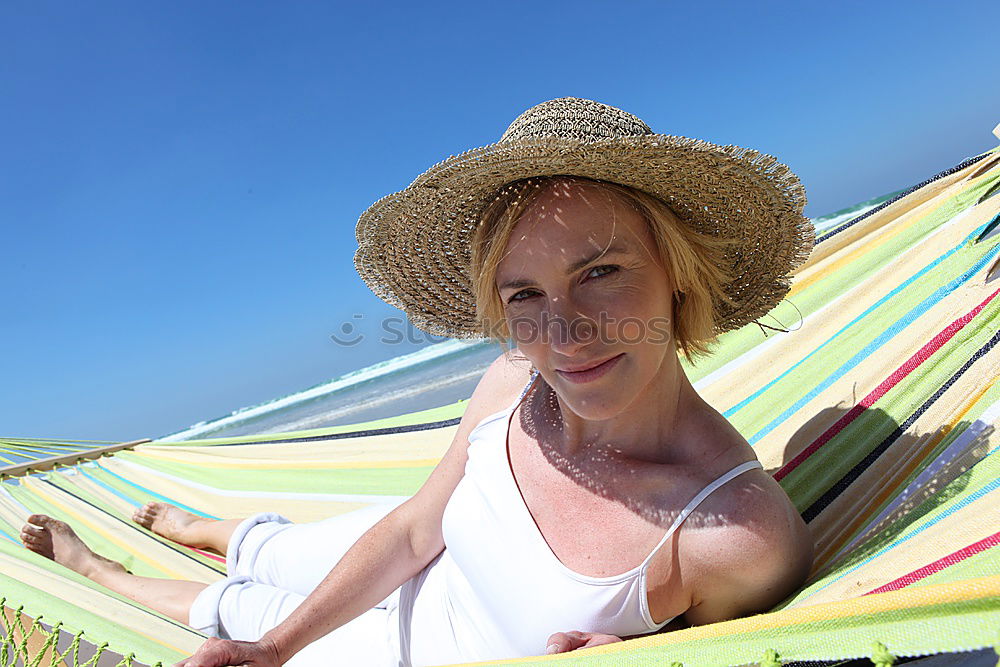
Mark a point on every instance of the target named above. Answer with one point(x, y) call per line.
point(376, 400)
point(825, 223)
point(437, 352)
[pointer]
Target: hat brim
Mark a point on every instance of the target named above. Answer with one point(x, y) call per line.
point(414, 246)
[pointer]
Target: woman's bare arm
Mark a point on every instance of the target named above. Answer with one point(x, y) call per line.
point(752, 563)
point(397, 547)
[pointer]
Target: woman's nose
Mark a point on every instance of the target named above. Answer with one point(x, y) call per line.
point(568, 327)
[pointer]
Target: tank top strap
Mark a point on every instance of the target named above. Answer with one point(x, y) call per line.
point(505, 413)
point(524, 392)
point(697, 500)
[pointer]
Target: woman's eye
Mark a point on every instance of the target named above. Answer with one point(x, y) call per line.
point(599, 271)
point(521, 296)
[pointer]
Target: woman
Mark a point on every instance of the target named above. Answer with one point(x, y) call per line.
point(617, 500)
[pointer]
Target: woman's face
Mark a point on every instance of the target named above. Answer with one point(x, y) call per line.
point(586, 297)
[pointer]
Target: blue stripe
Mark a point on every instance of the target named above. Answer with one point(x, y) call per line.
point(887, 335)
point(746, 401)
point(158, 496)
point(129, 499)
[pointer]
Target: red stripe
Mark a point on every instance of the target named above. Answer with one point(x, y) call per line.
point(215, 557)
point(908, 366)
point(938, 565)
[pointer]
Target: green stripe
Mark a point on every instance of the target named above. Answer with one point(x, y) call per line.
point(790, 388)
point(42, 605)
point(821, 471)
point(974, 413)
point(735, 343)
point(375, 481)
point(927, 512)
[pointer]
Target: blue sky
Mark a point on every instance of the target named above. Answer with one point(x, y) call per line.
point(179, 181)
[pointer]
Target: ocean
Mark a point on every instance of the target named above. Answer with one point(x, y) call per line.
point(436, 375)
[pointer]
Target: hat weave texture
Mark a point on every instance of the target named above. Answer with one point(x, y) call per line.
point(414, 246)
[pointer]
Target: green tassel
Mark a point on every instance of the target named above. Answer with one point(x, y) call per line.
point(770, 659)
point(881, 656)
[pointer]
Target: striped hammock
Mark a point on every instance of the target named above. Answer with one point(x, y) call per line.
point(876, 411)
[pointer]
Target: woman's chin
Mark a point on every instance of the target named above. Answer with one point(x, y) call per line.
point(597, 400)
point(594, 404)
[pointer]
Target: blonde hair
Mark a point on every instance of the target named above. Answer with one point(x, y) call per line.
point(693, 259)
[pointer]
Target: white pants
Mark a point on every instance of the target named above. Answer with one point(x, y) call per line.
point(273, 564)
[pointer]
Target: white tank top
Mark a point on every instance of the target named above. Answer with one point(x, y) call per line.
point(497, 590)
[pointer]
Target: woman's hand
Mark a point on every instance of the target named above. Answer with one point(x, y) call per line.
point(561, 642)
point(221, 652)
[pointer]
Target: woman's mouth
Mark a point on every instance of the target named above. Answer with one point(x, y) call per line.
point(592, 372)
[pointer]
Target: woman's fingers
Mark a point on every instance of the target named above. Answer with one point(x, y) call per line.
point(600, 640)
point(225, 653)
point(562, 642)
point(214, 652)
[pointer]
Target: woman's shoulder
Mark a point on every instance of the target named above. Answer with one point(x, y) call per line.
point(750, 550)
point(500, 386)
point(745, 547)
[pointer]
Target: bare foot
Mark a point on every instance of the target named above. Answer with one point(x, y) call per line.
point(171, 522)
point(54, 539)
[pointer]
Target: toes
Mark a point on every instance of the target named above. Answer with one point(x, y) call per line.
point(49, 523)
point(44, 523)
point(30, 537)
point(33, 538)
point(143, 515)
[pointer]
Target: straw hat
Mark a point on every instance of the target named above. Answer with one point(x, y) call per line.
point(414, 246)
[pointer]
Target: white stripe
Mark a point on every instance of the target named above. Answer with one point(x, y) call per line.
point(17, 503)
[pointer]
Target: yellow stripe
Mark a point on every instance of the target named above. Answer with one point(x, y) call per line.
point(155, 639)
point(922, 596)
point(800, 285)
point(876, 502)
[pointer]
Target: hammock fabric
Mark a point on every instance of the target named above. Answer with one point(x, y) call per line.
point(876, 411)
